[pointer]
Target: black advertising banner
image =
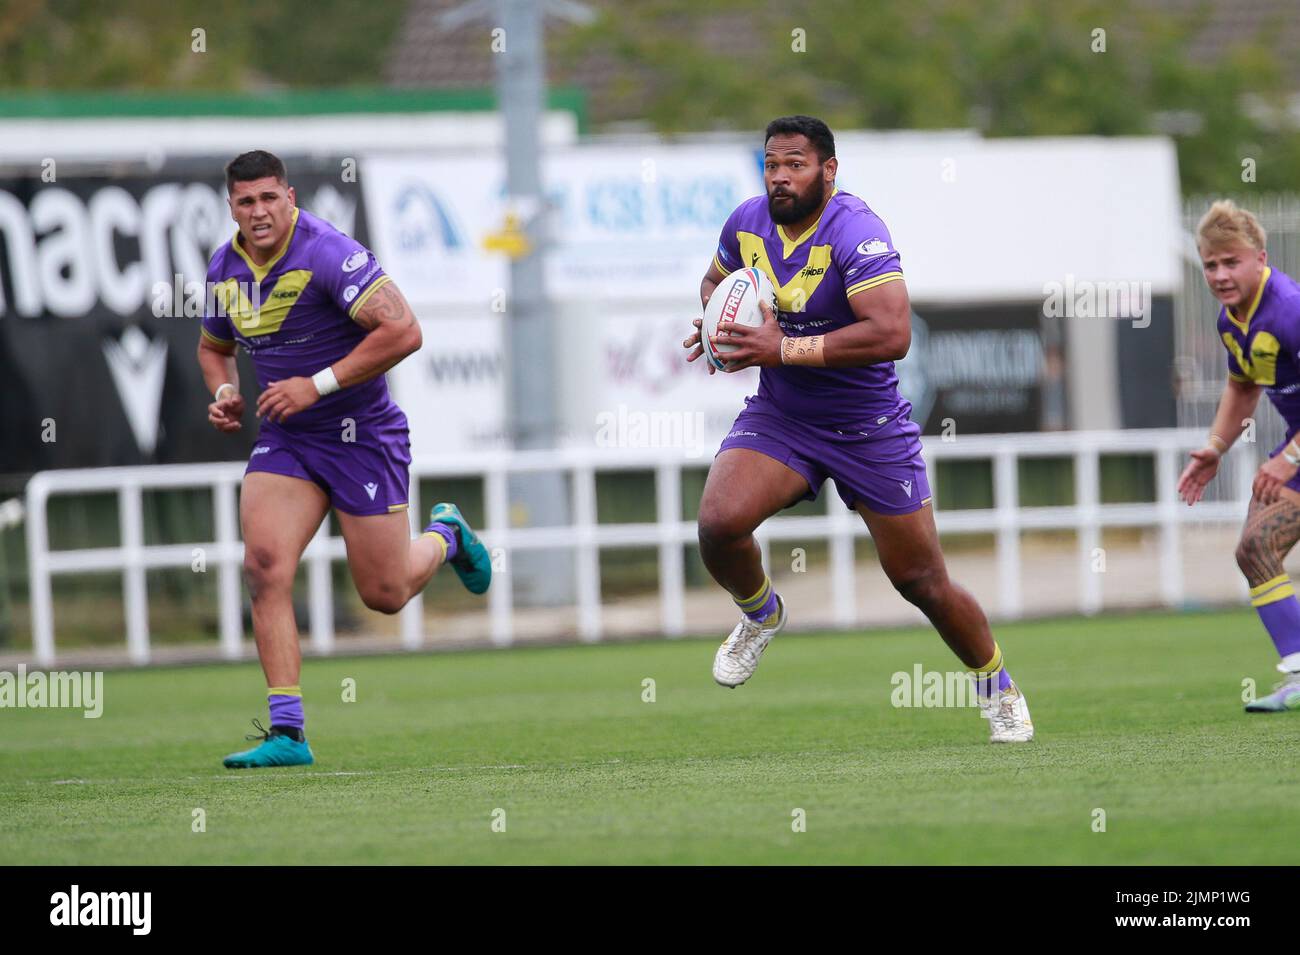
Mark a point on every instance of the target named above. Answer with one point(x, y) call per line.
point(98, 362)
point(986, 369)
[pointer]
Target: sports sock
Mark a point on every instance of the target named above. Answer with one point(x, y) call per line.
point(448, 534)
point(762, 605)
point(286, 706)
point(992, 676)
point(1275, 602)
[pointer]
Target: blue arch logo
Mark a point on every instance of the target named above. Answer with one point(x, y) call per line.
point(423, 223)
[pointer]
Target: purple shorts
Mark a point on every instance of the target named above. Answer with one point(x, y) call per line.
point(364, 467)
point(878, 463)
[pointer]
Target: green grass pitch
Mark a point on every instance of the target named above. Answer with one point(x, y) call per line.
point(1138, 715)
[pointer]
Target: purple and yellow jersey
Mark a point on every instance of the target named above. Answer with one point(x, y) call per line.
point(846, 251)
point(1263, 344)
point(294, 315)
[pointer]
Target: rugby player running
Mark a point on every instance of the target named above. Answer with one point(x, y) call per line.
point(828, 406)
point(322, 323)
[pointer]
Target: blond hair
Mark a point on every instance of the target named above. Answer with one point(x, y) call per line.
point(1226, 226)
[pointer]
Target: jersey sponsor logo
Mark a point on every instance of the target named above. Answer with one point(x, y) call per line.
point(355, 261)
point(260, 449)
point(350, 293)
point(872, 247)
point(285, 293)
point(371, 487)
point(809, 273)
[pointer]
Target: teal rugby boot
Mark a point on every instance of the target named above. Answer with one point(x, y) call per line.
point(472, 563)
point(276, 749)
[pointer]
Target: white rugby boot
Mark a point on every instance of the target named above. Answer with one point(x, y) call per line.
point(737, 658)
point(1008, 716)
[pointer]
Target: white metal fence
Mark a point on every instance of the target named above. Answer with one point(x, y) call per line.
point(669, 533)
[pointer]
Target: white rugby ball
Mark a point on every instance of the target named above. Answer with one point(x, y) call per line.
point(735, 300)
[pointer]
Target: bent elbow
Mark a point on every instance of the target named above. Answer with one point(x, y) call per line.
point(414, 341)
point(902, 345)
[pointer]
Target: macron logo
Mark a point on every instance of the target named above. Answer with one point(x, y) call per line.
point(371, 488)
point(906, 486)
point(102, 908)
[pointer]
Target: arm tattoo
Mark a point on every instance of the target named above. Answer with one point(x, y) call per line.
point(1270, 533)
point(385, 305)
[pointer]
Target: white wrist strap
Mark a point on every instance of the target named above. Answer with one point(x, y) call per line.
point(225, 384)
point(325, 382)
point(1291, 453)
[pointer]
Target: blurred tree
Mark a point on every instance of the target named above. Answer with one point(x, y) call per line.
point(150, 45)
point(1005, 67)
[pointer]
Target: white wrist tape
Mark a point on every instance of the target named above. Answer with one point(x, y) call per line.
point(325, 382)
point(225, 384)
point(1291, 453)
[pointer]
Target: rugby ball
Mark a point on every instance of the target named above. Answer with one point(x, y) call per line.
point(735, 300)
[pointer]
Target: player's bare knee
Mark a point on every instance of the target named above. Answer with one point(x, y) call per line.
point(720, 526)
point(1255, 559)
point(922, 587)
point(264, 571)
point(383, 598)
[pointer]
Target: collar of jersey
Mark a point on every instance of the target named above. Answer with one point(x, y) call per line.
point(1244, 323)
point(788, 245)
point(262, 271)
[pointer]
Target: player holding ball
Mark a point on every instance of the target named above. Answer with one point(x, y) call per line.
point(827, 406)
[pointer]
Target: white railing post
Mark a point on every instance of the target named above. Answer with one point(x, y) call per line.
point(843, 563)
point(1087, 497)
point(38, 571)
point(230, 605)
point(500, 594)
point(1171, 555)
point(412, 615)
point(672, 566)
point(1006, 505)
point(320, 595)
point(586, 554)
point(135, 596)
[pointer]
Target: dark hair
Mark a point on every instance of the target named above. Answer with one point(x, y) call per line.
point(257, 164)
point(818, 133)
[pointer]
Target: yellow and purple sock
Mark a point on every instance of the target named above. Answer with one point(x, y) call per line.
point(762, 605)
point(992, 675)
point(286, 706)
point(1275, 602)
point(445, 533)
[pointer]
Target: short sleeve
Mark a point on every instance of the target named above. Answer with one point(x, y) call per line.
point(216, 326)
point(865, 255)
point(349, 271)
point(727, 257)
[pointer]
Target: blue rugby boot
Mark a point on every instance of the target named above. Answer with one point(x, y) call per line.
point(276, 749)
point(472, 562)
